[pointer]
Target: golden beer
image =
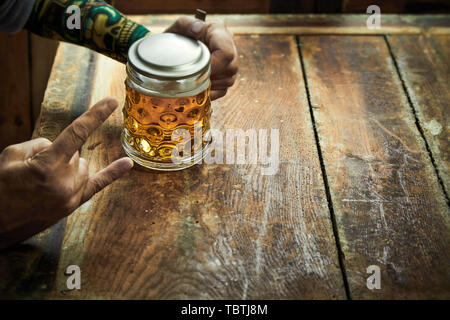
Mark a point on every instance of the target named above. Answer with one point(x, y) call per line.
point(167, 107)
point(150, 123)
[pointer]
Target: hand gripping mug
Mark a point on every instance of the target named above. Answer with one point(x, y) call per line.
point(167, 107)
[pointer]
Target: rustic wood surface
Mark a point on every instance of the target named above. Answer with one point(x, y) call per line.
point(429, 92)
point(212, 231)
point(389, 207)
point(361, 181)
point(43, 53)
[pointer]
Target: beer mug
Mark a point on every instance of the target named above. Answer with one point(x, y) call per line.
point(167, 107)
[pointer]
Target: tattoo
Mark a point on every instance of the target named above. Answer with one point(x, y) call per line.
point(103, 28)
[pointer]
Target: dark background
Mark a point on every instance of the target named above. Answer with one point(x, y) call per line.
point(26, 60)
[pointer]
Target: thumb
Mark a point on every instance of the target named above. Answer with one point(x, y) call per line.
point(188, 26)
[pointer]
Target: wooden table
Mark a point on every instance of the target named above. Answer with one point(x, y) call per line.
point(363, 179)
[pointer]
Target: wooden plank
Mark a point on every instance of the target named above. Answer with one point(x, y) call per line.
point(28, 270)
point(424, 64)
point(189, 6)
point(311, 24)
point(389, 208)
point(15, 120)
point(43, 53)
point(439, 30)
point(212, 231)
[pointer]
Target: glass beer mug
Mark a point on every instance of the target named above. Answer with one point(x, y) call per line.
point(167, 107)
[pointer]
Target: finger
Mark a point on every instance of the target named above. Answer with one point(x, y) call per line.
point(219, 70)
point(74, 165)
point(223, 83)
point(75, 160)
point(82, 175)
point(25, 150)
point(106, 176)
point(219, 38)
point(33, 147)
point(188, 26)
point(76, 134)
point(216, 94)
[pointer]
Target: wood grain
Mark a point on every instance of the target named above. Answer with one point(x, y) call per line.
point(15, 120)
point(212, 231)
point(389, 207)
point(439, 30)
point(43, 53)
point(424, 63)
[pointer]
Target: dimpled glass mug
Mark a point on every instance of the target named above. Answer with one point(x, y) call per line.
point(167, 107)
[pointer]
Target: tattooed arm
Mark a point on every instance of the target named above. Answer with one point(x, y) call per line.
point(107, 31)
point(103, 28)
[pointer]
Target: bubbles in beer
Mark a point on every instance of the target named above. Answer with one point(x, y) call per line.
point(144, 145)
point(150, 122)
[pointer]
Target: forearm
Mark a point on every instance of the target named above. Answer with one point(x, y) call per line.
point(103, 28)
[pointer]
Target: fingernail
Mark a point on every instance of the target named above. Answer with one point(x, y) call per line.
point(129, 164)
point(197, 27)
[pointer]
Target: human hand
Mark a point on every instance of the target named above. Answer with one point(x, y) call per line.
point(224, 61)
point(42, 182)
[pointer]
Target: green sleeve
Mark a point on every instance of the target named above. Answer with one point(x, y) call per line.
point(102, 27)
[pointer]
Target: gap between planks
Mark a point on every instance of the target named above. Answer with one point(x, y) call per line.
point(324, 176)
point(416, 120)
